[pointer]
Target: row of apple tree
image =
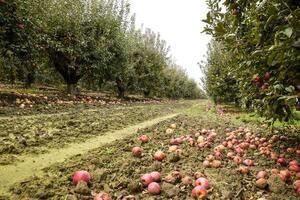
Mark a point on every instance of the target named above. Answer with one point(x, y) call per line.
point(92, 44)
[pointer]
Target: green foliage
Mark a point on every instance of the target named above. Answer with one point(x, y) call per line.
point(176, 85)
point(264, 37)
point(150, 57)
point(74, 36)
point(220, 81)
point(18, 40)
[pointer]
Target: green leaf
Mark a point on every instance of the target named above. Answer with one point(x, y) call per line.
point(288, 32)
point(290, 89)
point(9, 53)
point(257, 52)
point(269, 21)
point(220, 28)
point(278, 87)
point(297, 12)
point(272, 47)
point(208, 18)
point(272, 59)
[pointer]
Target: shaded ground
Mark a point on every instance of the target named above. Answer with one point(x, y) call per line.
point(115, 171)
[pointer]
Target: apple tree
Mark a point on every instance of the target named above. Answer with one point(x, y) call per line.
point(150, 61)
point(264, 37)
point(78, 37)
point(18, 40)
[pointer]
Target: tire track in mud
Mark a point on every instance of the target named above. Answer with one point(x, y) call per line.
point(32, 165)
point(37, 134)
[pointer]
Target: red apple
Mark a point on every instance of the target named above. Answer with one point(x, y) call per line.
point(146, 179)
point(137, 151)
point(248, 162)
point(298, 192)
point(298, 175)
point(244, 169)
point(154, 188)
point(187, 180)
point(294, 168)
point(21, 26)
point(294, 162)
point(175, 141)
point(237, 160)
point(155, 176)
point(261, 183)
point(159, 155)
point(296, 184)
point(257, 78)
point(81, 176)
point(281, 161)
point(267, 76)
point(199, 192)
point(144, 138)
point(284, 175)
point(264, 87)
point(262, 174)
point(206, 163)
point(203, 182)
point(216, 163)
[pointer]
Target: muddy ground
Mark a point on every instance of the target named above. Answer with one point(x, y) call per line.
point(115, 171)
point(37, 133)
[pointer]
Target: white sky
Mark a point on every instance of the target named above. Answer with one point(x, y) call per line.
point(179, 23)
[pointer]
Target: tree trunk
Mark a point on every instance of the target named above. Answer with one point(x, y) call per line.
point(12, 79)
point(147, 93)
point(72, 88)
point(29, 80)
point(68, 70)
point(121, 89)
point(121, 92)
point(12, 76)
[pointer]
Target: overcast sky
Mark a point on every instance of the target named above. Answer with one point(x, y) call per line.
point(179, 23)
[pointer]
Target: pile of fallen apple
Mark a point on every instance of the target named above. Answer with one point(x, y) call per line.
point(233, 149)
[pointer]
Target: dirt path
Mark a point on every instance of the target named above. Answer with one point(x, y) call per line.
point(33, 165)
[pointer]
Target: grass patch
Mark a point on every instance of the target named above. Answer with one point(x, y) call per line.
point(255, 118)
